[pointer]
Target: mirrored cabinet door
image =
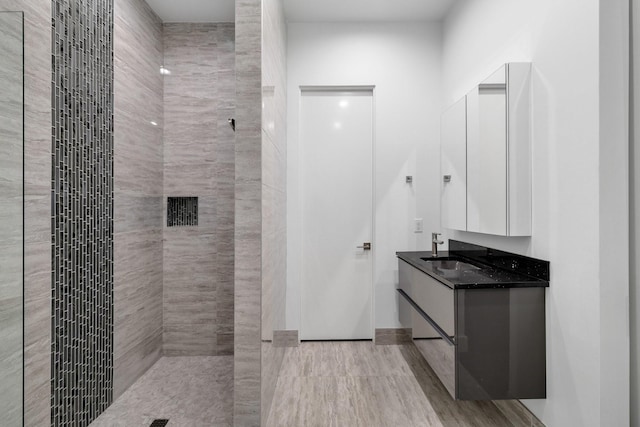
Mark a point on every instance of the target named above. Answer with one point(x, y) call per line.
point(11, 218)
point(487, 156)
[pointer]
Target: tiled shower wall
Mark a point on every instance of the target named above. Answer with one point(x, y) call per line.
point(11, 285)
point(138, 191)
point(248, 203)
point(82, 211)
point(274, 191)
point(199, 98)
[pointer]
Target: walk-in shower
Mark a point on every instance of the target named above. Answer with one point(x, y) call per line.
point(121, 290)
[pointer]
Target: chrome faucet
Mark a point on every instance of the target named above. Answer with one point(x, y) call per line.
point(434, 244)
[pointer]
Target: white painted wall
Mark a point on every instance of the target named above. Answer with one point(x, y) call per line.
point(403, 62)
point(579, 184)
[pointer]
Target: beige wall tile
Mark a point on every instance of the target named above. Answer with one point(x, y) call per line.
point(37, 176)
point(199, 162)
point(248, 214)
point(137, 192)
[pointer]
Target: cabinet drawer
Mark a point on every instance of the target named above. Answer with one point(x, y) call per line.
point(438, 353)
point(434, 298)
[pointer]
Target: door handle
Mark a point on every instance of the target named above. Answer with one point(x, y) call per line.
point(366, 246)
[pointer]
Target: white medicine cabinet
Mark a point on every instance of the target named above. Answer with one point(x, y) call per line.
point(486, 156)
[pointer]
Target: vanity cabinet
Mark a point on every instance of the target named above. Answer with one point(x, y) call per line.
point(433, 334)
point(497, 162)
point(484, 341)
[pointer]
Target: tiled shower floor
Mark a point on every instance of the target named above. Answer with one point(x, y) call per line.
point(188, 391)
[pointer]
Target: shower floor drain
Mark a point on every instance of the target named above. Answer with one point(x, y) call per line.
point(159, 423)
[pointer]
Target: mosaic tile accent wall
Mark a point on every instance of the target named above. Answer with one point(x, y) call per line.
point(82, 211)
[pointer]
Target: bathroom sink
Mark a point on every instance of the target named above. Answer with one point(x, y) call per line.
point(449, 266)
point(450, 263)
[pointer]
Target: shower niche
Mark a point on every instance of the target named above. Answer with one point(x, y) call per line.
point(182, 211)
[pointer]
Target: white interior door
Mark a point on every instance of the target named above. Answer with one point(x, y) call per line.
point(336, 159)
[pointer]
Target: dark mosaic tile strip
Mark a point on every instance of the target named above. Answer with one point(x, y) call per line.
point(159, 423)
point(82, 211)
point(182, 211)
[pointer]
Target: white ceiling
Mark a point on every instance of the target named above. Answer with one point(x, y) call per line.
point(366, 10)
point(194, 10)
point(309, 10)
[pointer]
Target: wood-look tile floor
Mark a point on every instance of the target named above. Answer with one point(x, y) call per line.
point(188, 391)
point(350, 384)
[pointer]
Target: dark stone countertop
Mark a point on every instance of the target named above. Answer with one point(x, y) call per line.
point(497, 269)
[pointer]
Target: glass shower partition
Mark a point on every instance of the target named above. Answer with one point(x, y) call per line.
point(11, 218)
